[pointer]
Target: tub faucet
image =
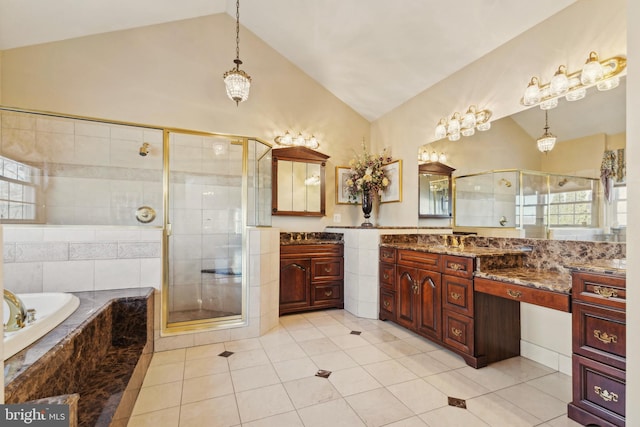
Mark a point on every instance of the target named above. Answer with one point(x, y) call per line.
point(17, 312)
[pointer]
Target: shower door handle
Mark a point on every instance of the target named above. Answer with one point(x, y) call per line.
point(169, 229)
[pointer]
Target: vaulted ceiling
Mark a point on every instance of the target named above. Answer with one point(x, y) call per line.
point(374, 55)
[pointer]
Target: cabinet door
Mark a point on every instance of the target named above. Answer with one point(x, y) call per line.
point(429, 304)
point(295, 281)
point(407, 286)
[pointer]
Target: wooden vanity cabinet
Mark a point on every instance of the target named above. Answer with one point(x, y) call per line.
point(387, 276)
point(457, 303)
point(311, 277)
point(599, 349)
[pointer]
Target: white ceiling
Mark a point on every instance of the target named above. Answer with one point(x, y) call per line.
point(372, 54)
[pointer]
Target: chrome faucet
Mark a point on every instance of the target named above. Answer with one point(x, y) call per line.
point(17, 312)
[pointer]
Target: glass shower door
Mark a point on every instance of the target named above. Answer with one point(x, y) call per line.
point(205, 227)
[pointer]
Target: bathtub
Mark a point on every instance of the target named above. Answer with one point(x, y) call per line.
point(51, 310)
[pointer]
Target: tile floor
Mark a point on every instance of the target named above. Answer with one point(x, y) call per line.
point(386, 376)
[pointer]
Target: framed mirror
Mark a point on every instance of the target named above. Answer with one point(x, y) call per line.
point(298, 182)
point(434, 187)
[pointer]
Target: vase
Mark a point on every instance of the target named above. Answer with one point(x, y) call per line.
point(367, 205)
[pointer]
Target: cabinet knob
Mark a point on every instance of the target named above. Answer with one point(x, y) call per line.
point(386, 304)
point(386, 276)
point(456, 296)
point(328, 292)
point(605, 337)
point(605, 292)
point(606, 395)
point(327, 269)
point(514, 294)
point(457, 332)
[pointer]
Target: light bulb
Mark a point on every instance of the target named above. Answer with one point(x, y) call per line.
point(441, 129)
point(559, 82)
point(454, 124)
point(442, 158)
point(549, 104)
point(434, 156)
point(611, 83)
point(532, 93)
point(575, 95)
point(592, 70)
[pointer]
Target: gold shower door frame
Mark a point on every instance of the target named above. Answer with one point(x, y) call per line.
point(177, 327)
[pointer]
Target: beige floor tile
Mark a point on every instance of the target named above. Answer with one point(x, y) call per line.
point(448, 358)
point(318, 346)
point(367, 354)
point(334, 361)
point(248, 359)
point(204, 351)
point(389, 372)
point(263, 402)
point(399, 331)
point(489, 376)
point(376, 336)
point(294, 322)
point(243, 345)
point(158, 397)
point(207, 387)
point(422, 344)
point(285, 352)
point(397, 349)
point(557, 385)
point(418, 395)
point(536, 402)
point(495, 411)
point(408, 422)
point(348, 341)
point(324, 321)
point(288, 419)
point(422, 364)
point(165, 373)
point(335, 413)
point(276, 337)
point(295, 369)
point(378, 407)
point(218, 412)
point(169, 417)
point(254, 377)
point(170, 356)
point(454, 384)
point(449, 416)
point(207, 366)
point(353, 380)
point(306, 334)
point(561, 421)
point(523, 369)
point(311, 391)
point(334, 330)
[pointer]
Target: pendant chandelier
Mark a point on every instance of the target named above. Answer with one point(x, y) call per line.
point(548, 140)
point(237, 81)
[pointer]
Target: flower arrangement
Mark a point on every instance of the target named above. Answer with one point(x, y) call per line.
point(366, 173)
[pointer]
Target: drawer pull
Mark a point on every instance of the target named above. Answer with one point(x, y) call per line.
point(327, 269)
point(456, 266)
point(415, 288)
point(456, 296)
point(457, 332)
point(605, 292)
point(386, 304)
point(605, 394)
point(514, 294)
point(386, 276)
point(386, 254)
point(605, 337)
point(328, 292)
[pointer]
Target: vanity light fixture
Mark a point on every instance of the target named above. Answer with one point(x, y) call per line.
point(298, 141)
point(548, 140)
point(237, 81)
point(425, 156)
point(465, 124)
point(602, 74)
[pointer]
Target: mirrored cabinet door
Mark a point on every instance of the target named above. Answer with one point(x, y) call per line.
point(434, 187)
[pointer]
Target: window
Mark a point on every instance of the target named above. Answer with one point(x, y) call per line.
point(571, 208)
point(17, 192)
point(619, 205)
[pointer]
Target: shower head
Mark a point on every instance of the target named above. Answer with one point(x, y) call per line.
point(562, 182)
point(505, 182)
point(144, 149)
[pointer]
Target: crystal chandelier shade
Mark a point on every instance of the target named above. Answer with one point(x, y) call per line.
point(548, 140)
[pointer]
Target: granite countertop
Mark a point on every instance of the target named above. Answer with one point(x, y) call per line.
point(556, 281)
point(311, 242)
point(469, 252)
point(604, 266)
point(320, 238)
point(91, 303)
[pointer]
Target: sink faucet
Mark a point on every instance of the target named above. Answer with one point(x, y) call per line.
point(17, 312)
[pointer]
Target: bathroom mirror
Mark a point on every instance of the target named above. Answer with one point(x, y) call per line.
point(434, 187)
point(299, 182)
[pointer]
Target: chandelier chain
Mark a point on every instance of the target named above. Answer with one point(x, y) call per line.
point(238, 30)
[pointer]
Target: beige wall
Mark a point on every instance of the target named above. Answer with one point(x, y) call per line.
point(496, 81)
point(171, 75)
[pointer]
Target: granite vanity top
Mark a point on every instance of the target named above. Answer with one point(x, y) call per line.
point(91, 304)
point(556, 281)
point(311, 238)
point(603, 266)
point(469, 252)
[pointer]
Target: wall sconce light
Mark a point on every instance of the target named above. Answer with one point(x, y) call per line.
point(425, 156)
point(298, 141)
point(602, 74)
point(464, 125)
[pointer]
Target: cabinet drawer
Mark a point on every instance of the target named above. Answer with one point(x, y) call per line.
point(329, 292)
point(542, 297)
point(387, 305)
point(599, 289)
point(306, 251)
point(323, 269)
point(599, 389)
point(424, 260)
point(600, 334)
point(388, 255)
point(457, 295)
point(457, 266)
point(458, 331)
point(387, 274)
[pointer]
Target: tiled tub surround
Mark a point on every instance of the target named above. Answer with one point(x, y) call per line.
point(101, 352)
